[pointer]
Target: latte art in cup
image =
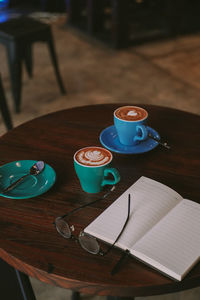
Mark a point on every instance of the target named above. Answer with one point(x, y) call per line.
point(93, 156)
point(131, 113)
point(92, 167)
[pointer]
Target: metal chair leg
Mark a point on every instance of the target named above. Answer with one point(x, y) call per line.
point(14, 285)
point(28, 59)
point(4, 108)
point(55, 64)
point(15, 66)
point(75, 296)
point(25, 286)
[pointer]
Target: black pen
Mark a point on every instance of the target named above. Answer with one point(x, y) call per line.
point(118, 264)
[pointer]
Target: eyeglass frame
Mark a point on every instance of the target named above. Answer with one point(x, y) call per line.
point(100, 252)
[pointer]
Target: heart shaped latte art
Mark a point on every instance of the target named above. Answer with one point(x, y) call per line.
point(132, 113)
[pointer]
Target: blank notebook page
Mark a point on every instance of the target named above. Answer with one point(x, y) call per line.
point(150, 201)
point(173, 243)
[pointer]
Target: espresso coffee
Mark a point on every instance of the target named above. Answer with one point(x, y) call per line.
point(93, 156)
point(131, 113)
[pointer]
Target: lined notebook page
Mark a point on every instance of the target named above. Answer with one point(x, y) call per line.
point(150, 201)
point(173, 245)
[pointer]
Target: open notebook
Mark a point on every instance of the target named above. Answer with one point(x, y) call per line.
point(163, 229)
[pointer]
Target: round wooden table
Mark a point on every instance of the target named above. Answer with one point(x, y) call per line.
point(28, 239)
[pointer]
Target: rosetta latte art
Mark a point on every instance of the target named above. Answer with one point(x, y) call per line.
point(93, 156)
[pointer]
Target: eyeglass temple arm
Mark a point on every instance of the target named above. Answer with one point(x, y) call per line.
point(108, 250)
point(87, 204)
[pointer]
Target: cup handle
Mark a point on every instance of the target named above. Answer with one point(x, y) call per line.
point(142, 133)
point(114, 173)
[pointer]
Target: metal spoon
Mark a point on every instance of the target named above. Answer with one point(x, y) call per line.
point(159, 142)
point(36, 169)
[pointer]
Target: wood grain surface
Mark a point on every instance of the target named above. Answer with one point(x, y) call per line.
point(28, 239)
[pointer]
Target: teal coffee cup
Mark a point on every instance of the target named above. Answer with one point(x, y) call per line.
point(92, 166)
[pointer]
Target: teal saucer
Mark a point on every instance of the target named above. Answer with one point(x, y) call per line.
point(31, 186)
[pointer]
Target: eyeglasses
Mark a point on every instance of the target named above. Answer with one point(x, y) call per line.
point(87, 242)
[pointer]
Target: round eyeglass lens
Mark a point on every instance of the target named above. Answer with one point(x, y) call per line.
point(63, 228)
point(89, 243)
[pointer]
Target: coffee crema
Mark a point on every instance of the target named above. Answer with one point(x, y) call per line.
point(131, 113)
point(93, 156)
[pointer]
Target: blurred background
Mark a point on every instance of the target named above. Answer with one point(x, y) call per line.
point(157, 61)
point(130, 51)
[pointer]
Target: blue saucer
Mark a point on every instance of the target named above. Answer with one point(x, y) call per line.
point(109, 139)
point(31, 186)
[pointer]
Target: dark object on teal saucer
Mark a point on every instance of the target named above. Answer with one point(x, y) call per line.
point(31, 186)
point(109, 139)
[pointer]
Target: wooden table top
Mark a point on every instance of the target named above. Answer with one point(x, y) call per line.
point(28, 239)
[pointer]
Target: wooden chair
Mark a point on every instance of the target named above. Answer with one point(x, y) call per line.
point(4, 108)
point(18, 35)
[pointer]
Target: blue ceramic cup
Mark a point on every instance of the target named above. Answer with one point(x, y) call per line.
point(130, 124)
point(92, 166)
